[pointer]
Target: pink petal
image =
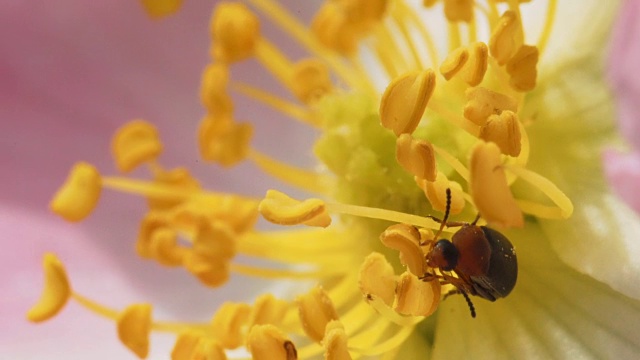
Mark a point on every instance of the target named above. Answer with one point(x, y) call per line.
point(623, 173)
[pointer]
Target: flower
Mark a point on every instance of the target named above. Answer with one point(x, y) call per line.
point(528, 120)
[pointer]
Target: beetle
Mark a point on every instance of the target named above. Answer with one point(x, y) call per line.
point(483, 259)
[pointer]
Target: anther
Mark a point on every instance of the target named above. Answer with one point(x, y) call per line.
point(416, 156)
point(79, 194)
point(279, 208)
point(473, 72)
point(335, 342)
point(228, 324)
point(135, 143)
point(213, 90)
point(435, 192)
point(235, 31)
point(458, 10)
point(315, 309)
point(310, 80)
point(504, 131)
point(404, 101)
point(522, 68)
point(416, 297)
point(507, 37)
point(267, 342)
point(482, 103)
point(224, 141)
point(406, 239)
point(454, 62)
point(161, 8)
point(376, 277)
point(134, 327)
point(57, 290)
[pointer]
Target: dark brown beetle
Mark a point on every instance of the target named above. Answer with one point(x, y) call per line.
point(483, 259)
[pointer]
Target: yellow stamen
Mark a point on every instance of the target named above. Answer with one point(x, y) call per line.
point(56, 290)
point(489, 188)
point(235, 31)
point(160, 8)
point(522, 68)
point(564, 205)
point(453, 162)
point(212, 271)
point(504, 131)
point(335, 342)
point(228, 323)
point(266, 342)
point(483, 103)
point(416, 156)
point(416, 297)
point(406, 239)
point(134, 327)
point(454, 62)
point(178, 178)
point(387, 313)
point(268, 310)
point(382, 214)
point(315, 310)
point(458, 10)
point(274, 61)
point(135, 143)
point(185, 345)
point(376, 277)
point(278, 208)
point(405, 100)
point(207, 349)
point(310, 80)
point(303, 179)
point(475, 68)
point(224, 141)
point(548, 25)
point(507, 37)
point(213, 90)
point(435, 191)
point(79, 194)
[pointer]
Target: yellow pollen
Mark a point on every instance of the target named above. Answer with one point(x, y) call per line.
point(161, 8)
point(228, 323)
point(56, 290)
point(135, 143)
point(416, 297)
point(473, 71)
point(267, 342)
point(504, 131)
point(235, 31)
point(134, 327)
point(178, 179)
point(224, 141)
point(278, 208)
point(458, 10)
point(522, 68)
point(454, 62)
point(79, 194)
point(435, 191)
point(268, 310)
point(406, 239)
point(489, 188)
point(213, 90)
point(335, 342)
point(416, 157)
point(483, 103)
point(507, 37)
point(315, 309)
point(377, 278)
point(185, 346)
point(212, 271)
point(207, 349)
point(405, 100)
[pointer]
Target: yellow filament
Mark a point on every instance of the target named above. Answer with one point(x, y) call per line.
point(453, 161)
point(391, 315)
point(454, 118)
point(419, 24)
point(548, 25)
point(303, 179)
point(392, 63)
point(295, 111)
point(472, 29)
point(391, 343)
point(112, 314)
point(367, 339)
point(404, 30)
point(145, 188)
point(274, 60)
point(561, 200)
point(292, 26)
point(454, 36)
point(382, 214)
point(287, 273)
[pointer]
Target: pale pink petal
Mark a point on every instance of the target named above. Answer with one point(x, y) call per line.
point(623, 172)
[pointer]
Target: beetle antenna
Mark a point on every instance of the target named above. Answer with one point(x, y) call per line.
point(446, 215)
point(476, 219)
point(471, 307)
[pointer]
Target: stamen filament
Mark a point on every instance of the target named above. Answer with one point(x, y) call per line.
point(454, 36)
point(382, 214)
point(419, 24)
point(454, 162)
point(274, 60)
point(391, 315)
point(547, 187)
point(548, 25)
point(289, 174)
point(404, 30)
point(266, 273)
point(295, 111)
point(146, 188)
point(390, 343)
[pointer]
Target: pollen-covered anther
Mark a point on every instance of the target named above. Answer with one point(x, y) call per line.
point(404, 101)
point(365, 11)
point(335, 342)
point(228, 324)
point(406, 239)
point(79, 194)
point(134, 327)
point(179, 179)
point(458, 10)
point(482, 103)
point(213, 90)
point(267, 309)
point(310, 80)
point(157, 240)
point(416, 156)
point(416, 297)
point(135, 143)
point(454, 62)
point(160, 8)
point(236, 212)
point(436, 193)
point(214, 239)
point(56, 291)
point(223, 140)
point(207, 349)
point(279, 208)
point(315, 309)
point(335, 30)
point(185, 345)
point(489, 189)
point(211, 271)
point(235, 31)
point(504, 131)
point(522, 68)
point(507, 37)
point(376, 277)
point(473, 71)
point(267, 342)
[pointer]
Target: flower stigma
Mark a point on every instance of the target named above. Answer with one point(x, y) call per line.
point(447, 131)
